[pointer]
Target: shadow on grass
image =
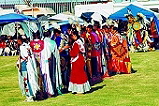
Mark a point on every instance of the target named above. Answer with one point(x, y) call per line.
point(95, 88)
point(115, 73)
point(133, 70)
point(95, 80)
point(65, 91)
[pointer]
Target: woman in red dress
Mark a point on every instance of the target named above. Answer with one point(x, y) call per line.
point(78, 78)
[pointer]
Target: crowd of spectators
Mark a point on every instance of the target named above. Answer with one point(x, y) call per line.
point(8, 46)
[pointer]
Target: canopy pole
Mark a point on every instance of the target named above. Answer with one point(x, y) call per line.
point(16, 24)
point(29, 31)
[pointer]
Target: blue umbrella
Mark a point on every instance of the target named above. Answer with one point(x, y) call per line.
point(88, 16)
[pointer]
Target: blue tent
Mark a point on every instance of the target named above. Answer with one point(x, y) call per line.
point(13, 17)
point(133, 9)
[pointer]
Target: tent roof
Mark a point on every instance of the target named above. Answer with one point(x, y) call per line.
point(62, 17)
point(133, 9)
point(38, 11)
point(13, 17)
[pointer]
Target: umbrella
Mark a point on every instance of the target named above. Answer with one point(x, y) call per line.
point(88, 16)
point(76, 20)
point(61, 17)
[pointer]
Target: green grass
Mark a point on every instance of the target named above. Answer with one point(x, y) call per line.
point(137, 89)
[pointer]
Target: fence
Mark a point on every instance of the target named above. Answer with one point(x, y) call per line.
point(57, 5)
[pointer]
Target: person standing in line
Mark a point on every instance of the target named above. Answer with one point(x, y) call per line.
point(120, 56)
point(78, 77)
point(95, 53)
point(88, 46)
point(62, 45)
point(28, 78)
point(37, 46)
point(50, 66)
point(102, 64)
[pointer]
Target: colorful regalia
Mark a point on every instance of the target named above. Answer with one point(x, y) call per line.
point(107, 50)
point(37, 46)
point(28, 78)
point(62, 41)
point(137, 33)
point(105, 54)
point(103, 51)
point(78, 77)
point(95, 55)
point(120, 59)
point(50, 67)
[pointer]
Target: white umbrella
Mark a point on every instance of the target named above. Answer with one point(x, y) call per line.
point(96, 16)
point(62, 17)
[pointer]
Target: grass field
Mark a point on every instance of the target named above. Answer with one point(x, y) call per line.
point(137, 89)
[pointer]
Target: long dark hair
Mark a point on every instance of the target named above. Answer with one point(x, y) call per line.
point(72, 40)
point(36, 35)
point(91, 27)
point(47, 33)
point(75, 33)
point(24, 39)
